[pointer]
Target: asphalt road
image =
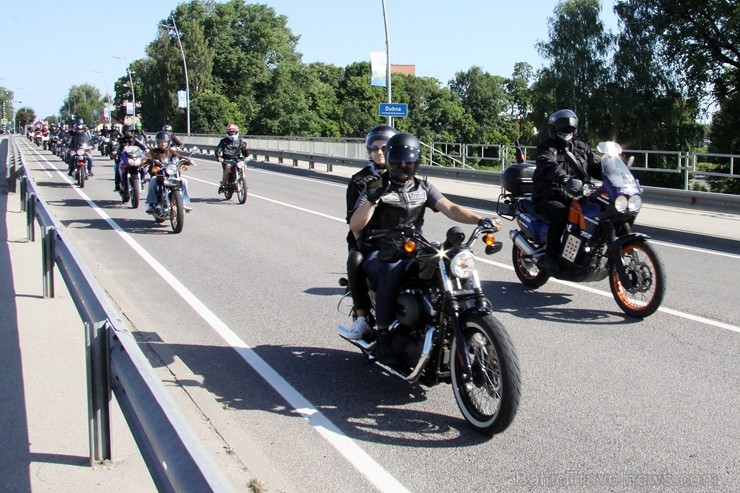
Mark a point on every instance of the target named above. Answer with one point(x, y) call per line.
point(241, 308)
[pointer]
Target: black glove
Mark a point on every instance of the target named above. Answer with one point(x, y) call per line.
point(490, 223)
point(375, 189)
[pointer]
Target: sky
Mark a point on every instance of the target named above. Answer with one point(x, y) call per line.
point(52, 45)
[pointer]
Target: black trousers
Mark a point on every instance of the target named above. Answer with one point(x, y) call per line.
point(557, 214)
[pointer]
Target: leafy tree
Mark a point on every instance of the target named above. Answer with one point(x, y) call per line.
point(24, 116)
point(80, 103)
point(578, 51)
point(358, 107)
point(211, 112)
point(484, 97)
point(520, 99)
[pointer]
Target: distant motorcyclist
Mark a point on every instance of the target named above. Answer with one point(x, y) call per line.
point(231, 147)
point(80, 137)
point(560, 159)
point(139, 133)
point(375, 141)
point(127, 139)
point(168, 130)
point(163, 153)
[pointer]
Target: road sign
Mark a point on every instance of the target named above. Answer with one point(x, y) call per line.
point(393, 109)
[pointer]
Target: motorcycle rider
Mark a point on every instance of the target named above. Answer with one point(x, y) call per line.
point(375, 141)
point(396, 197)
point(560, 159)
point(163, 153)
point(175, 141)
point(230, 147)
point(127, 139)
point(80, 137)
point(139, 133)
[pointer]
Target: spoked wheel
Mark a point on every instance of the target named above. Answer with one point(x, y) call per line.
point(526, 270)
point(241, 188)
point(490, 398)
point(135, 192)
point(645, 270)
point(177, 213)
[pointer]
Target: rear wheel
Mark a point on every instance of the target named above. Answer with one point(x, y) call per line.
point(241, 188)
point(645, 270)
point(490, 398)
point(177, 213)
point(526, 269)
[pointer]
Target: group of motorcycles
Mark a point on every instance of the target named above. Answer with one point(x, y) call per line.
point(445, 330)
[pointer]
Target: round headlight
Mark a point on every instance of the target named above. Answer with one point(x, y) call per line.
point(621, 203)
point(171, 169)
point(635, 203)
point(462, 265)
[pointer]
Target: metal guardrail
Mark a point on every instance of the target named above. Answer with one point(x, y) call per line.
point(174, 456)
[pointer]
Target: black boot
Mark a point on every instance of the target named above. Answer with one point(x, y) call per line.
point(383, 348)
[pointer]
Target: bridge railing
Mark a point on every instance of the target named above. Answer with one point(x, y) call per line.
point(174, 456)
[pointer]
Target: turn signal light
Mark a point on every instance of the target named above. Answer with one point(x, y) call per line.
point(409, 247)
point(489, 239)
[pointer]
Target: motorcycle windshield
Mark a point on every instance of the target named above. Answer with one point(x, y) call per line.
point(619, 175)
point(132, 152)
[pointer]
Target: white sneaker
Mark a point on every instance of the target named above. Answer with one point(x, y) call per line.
point(359, 328)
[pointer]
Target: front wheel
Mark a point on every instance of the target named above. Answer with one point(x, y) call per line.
point(646, 272)
point(177, 213)
point(135, 192)
point(490, 398)
point(81, 177)
point(241, 188)
point(526, 270)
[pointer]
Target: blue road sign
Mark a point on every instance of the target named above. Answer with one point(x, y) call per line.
point(393, 109)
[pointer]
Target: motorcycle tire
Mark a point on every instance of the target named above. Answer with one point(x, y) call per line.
point(646, 271)
point(135, 192)
point(177, 213)
point(228, 191)
point(81, 175)
point(490, 400)
point(241, 189)
point(526, 270)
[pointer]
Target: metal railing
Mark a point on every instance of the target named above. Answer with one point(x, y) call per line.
point(174, 456)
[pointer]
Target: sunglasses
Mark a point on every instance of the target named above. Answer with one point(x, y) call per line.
point(377, 148)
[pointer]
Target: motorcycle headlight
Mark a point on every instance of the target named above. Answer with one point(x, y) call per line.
point(635, 203)
point(621, 203)
point(80, 152)
point(462, 265)
point(171, 169)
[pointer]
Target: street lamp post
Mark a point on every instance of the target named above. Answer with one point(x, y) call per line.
point(131, 81)
point(387, 61)
point(185, 67)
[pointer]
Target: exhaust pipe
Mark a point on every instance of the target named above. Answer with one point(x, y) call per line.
point(522, 244)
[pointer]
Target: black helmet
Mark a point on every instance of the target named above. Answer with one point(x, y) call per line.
point(381, 132)
point(402, 155)
point(127, 129)
point(163, 140)
point(563, 122)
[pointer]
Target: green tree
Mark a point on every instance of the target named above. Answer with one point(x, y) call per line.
point(520, 99)
point(358, 101)
point(80, 103)
point(578, 50)
point(24, 116)
point(211, 112)
point(485, 98)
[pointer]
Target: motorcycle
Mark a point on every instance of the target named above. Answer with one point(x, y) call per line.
point(132, 160)
point(237, 181)
point(54, 141)
point(79, 165)
point(598, 241)
point(445, 330)
point(44, 139)
point(167, 178)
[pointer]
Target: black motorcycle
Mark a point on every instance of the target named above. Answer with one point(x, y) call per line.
point(79, 165)
point(167, 178)
point(445, 331)
point(237, 181)
point(598, 241)
point(132, 161)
